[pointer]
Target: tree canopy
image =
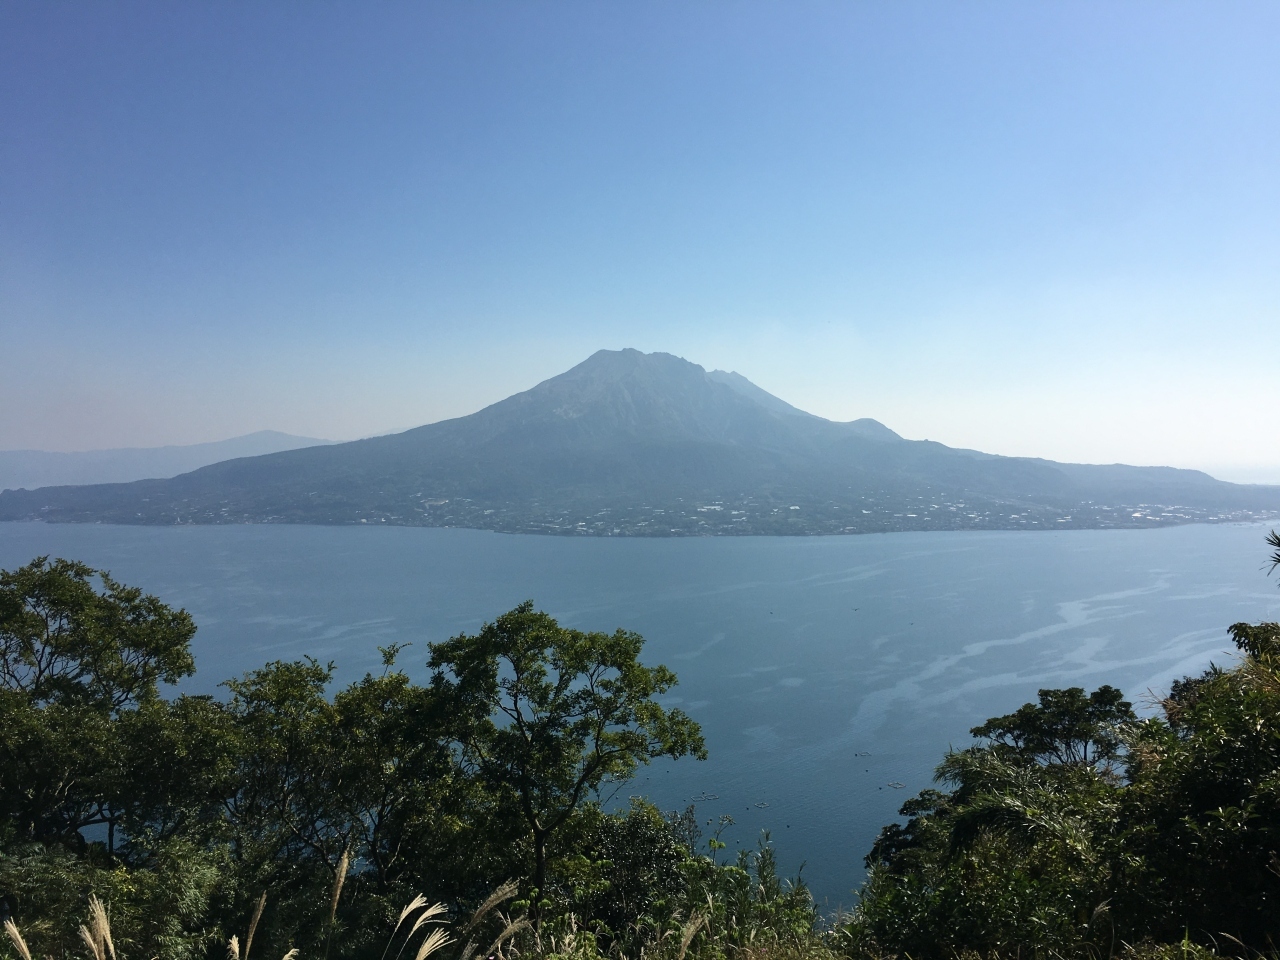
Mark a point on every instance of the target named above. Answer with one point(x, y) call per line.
point(560, 713)
point(1076, 827)
point(62, 639)
point(339, 804)
point(1065, 727)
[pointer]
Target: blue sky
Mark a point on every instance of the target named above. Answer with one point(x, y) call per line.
point(1048, 229)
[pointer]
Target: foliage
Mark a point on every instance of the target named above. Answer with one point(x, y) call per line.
point(1073, 828)
point(62, 640)
point(626, 875)
point(1065, 728)
point(558, 713)
point(308, 814)
point(640, 888)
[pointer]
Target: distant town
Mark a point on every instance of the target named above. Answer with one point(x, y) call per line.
point(755, 516)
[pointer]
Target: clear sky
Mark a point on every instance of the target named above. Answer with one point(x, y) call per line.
point(1043, 228)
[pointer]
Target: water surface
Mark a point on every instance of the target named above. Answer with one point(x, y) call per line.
point(824, 670)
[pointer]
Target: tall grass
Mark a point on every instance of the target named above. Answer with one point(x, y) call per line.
point(97, 935)
point(425, 931)
point(19, 944)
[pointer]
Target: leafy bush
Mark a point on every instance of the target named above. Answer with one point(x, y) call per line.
point(1073, 828)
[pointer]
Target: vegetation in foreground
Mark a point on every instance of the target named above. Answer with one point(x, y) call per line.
point(460, 818)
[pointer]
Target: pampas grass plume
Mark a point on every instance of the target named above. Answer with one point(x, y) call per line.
point(417, 903)
point(690, 931)
point(15, 935)
point(338, 881)
point(512, 928)
point(504, 892)
point(91, 943)
point(436, 939)
point(425, 917)
point(101, 928)
point(253, 924)
point(435, 910)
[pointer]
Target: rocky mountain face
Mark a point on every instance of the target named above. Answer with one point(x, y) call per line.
point(650, 444)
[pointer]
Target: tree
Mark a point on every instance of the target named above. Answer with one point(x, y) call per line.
point(1203, 808)
point(87, 742)
point(63, 640)
point(1020, 852)
point(1065, 727)
point(75, 659)
point(558, 714)
point(369, 771)
point(624, 876)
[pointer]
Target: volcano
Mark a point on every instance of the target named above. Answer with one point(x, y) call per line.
point(629, 443)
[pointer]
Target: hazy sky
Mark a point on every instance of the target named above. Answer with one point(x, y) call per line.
point(1032, 228)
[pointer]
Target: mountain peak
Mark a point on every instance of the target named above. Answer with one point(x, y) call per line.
point(661, 392)
point(615, 393)
point(650, 444)
point(630, 361)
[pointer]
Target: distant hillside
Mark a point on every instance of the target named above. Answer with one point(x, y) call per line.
point(628, 443)
point(40, 468)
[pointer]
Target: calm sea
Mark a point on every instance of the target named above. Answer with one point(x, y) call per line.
point(829, 674)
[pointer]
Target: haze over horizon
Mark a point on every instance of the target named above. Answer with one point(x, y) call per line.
point(1036, 231)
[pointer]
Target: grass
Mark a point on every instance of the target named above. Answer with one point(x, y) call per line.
point(98, 942)
point(423, 931)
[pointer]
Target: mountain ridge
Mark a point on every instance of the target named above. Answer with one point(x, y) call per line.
point(32, 469)
point(628, 443)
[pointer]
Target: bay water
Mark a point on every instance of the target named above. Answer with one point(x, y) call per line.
point(830, 674)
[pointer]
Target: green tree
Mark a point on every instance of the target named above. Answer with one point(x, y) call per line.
point(1077, 827)
point(64, 640)
point(1065, 727)
point(558, 713)
point(370, 771)
point(1019, 852)
point(77, 658)
point(88, 744)
point(1202, 813)
point(626, 874)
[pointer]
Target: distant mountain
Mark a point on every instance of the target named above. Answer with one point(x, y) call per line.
point(41, 468)
point(628, 443)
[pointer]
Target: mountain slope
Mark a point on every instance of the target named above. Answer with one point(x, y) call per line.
point(42, 468)
point(634, 443)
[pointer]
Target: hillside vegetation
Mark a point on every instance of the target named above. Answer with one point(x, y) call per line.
point(460, 818)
